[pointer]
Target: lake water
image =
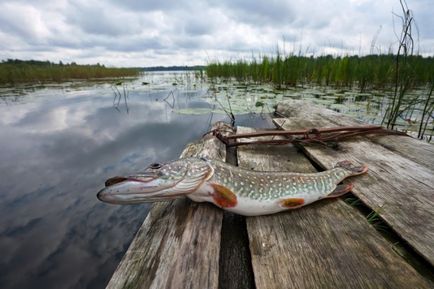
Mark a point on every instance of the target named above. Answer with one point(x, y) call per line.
point(59, 143)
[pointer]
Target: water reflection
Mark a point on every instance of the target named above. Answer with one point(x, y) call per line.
point(57, 147)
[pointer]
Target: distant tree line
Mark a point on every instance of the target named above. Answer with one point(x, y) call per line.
point(18, 71)
point(174, 68)
point(43, 63)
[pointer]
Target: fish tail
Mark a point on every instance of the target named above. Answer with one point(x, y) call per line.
point(353, 169)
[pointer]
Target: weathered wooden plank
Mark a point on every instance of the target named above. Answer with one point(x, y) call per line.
point(178, 244)
point(399, 185)
point(416, 150)
point(324, 245)
point(235, 262)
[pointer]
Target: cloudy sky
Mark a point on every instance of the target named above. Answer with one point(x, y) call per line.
point(181, 32)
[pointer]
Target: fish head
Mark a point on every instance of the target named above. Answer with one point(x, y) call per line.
point(158, 182)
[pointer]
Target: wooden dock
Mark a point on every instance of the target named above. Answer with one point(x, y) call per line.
point(329, 244)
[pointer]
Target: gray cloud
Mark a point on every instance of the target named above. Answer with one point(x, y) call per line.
point(21, 20)
point(179, 32)
point(258, 12)
point(200, 25)
point(102, 19)
point(155, 5)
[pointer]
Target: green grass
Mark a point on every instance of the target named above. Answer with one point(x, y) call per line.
point(18, 71)
point(372, 71)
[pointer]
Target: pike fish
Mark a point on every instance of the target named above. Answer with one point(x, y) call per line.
point(245, 192)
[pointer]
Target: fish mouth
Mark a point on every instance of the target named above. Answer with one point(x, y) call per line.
point(136, 189)
point(155, 185)
point(115, 180)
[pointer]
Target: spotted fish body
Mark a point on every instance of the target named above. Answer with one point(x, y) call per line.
point(238, 190)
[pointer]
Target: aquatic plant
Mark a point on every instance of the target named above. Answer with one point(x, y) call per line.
point(19, 71)
point(362, 72)
point(118, 95)
point(403, 73)
point(427, 113)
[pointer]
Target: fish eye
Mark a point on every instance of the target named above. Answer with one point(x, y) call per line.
point(155, 166)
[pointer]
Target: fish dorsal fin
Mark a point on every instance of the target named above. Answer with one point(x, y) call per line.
point(223, 196)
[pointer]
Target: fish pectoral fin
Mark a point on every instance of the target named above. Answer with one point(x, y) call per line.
point(292, 203)
point(223, 196)
point(340, 190)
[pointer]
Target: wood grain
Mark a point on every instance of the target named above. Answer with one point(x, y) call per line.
point(324, 245)
point(416, 150)
point(178, 244)
point(400, 182)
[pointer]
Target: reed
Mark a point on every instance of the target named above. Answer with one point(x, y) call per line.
point(363, 72)
point(18, 71)
point(403, 72)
